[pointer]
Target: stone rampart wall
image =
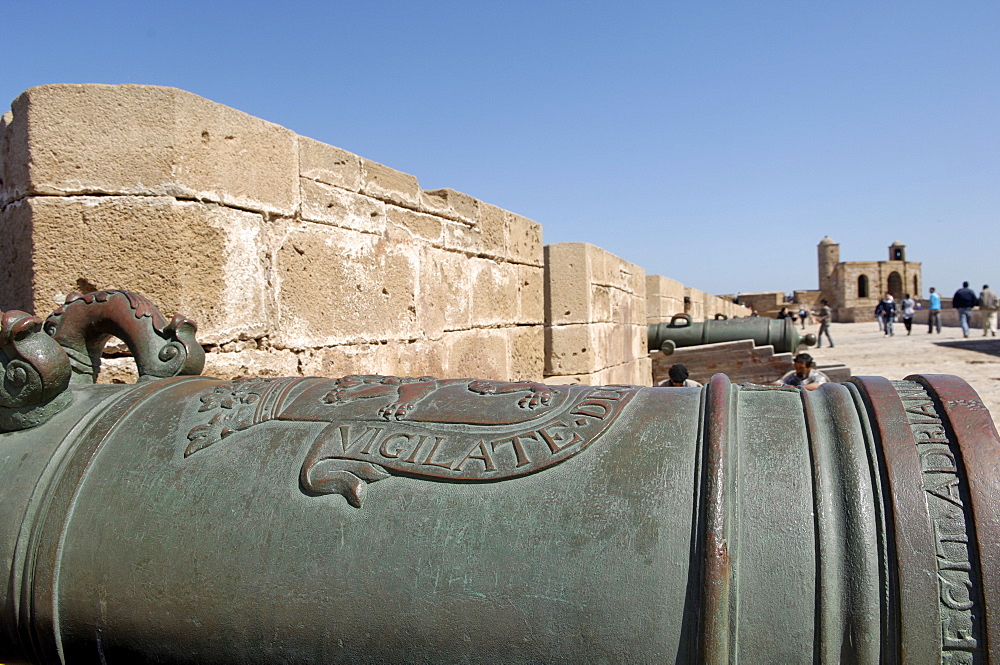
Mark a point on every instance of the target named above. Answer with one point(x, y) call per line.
point(295, 257)
point(299, 258)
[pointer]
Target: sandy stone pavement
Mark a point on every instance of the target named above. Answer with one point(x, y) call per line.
point(867, 351)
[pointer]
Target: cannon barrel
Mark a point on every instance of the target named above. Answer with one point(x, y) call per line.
point(375, 519)
point(680, 331)
point(379, 519)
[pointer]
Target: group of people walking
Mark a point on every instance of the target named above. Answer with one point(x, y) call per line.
point(964, 301)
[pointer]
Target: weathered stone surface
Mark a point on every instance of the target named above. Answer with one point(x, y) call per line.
point(329, 165)
point(524, 240)
point(481, 353)
point(587, 284)
point(452, 205)
point(14, 158)
point(585, 349)
point(394, 358)
point(576, 349)
point(525, 349)
point(494, 230)
point(251, 362)
point(17, 261)
point(202, 260)
point(337, 286)
point(494, 292)
point(530, 293)
point(664, 298)
point(445, 301)
point(150, 140)
point(389, 185)
point(460, 237)
point(568, 278)
point(419, 225)
point(331, 205)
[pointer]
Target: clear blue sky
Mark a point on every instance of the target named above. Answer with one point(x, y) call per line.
point(712, 142)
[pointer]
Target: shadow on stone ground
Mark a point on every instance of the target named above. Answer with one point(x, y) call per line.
point(989, 346)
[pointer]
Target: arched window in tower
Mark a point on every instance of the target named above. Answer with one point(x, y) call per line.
point(916, 286)
point(895, 285)
point(863, 286)
point(897, 254)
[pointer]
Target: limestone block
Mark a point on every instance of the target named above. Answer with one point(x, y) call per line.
point(643, 371)
point(568, 276)
point(251, 362)
point(531, 294)
point(201, 260)
point(567, 380)
point(325, 204)
point(572, 349)
point(479, 353)
point(494, 292)
point(524, 240)
point(141, 139)
point(493, 231)
point(461, 237)
point(395, 358)
point(658, 286)
point(329, 165)
point(337, 286)
point(13, 159)
point(452, 205)
point(626, 307)
point(120, 370)
point(586, 284)
point(419, 225)
point(389, 185)
point(444, 301)
point(17, 262)
point(526, 350)
point(602, 309)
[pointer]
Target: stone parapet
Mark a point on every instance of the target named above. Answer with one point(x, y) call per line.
point(664, 298)
point(294, 256)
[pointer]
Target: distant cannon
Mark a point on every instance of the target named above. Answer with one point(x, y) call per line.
point(680, 332)
point(373, 519)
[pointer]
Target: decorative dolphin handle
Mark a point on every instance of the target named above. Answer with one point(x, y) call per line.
point(84, 324)
point(36, 373)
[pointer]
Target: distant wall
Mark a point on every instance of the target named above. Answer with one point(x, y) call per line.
point(766, 302)
point(300, 258)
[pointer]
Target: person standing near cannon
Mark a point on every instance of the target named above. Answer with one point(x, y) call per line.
point(804, 375)
point(824, 315)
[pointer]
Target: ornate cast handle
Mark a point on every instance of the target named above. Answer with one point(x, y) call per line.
point(83, 325)
point(36, 373)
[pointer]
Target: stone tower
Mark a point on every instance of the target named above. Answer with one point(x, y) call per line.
point(828, 256)
point(897, 251)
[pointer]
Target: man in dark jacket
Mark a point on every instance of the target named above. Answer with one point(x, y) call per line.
point(964, 300)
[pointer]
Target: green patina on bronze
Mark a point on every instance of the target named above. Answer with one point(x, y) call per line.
point(680, 331)
point(373, 519)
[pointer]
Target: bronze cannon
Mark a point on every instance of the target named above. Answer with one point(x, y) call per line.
point(680, 331)
point(374, 519)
